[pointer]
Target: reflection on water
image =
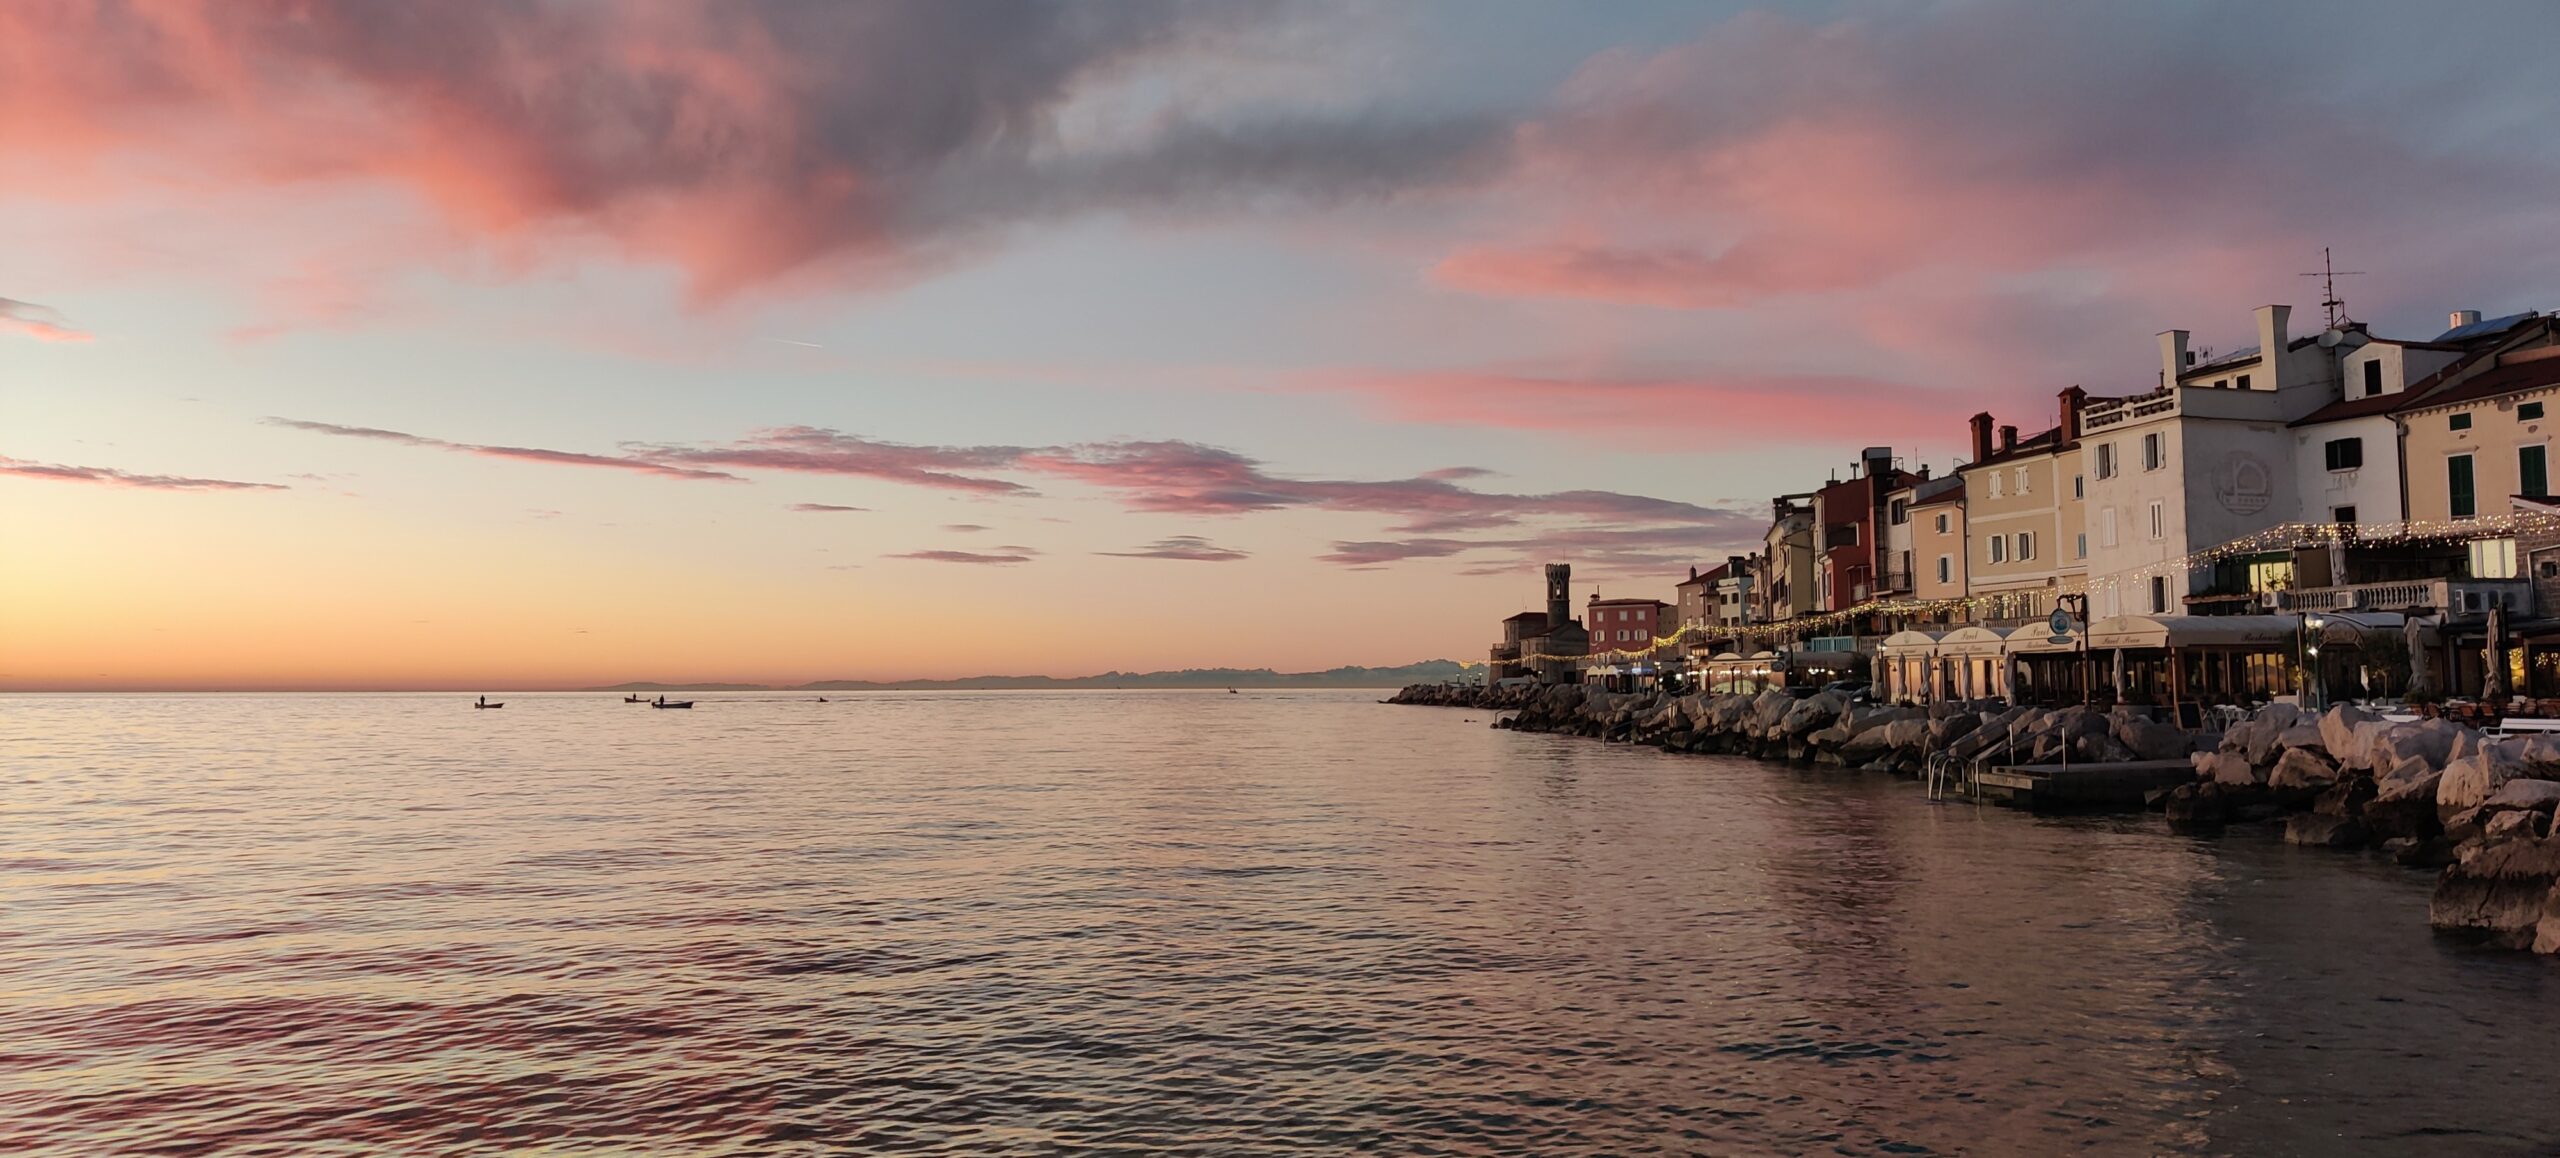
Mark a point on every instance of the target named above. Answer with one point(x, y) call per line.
point(1022, 922)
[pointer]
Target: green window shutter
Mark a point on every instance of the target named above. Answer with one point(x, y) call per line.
point(2457, 472)
point(2533, 471)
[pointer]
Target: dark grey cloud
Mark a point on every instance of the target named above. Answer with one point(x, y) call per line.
point(1188, 548)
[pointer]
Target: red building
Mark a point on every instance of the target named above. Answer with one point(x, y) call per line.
point(1848, 543)
point(1626, 624)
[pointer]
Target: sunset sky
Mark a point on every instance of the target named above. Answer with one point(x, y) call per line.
point(532, 344)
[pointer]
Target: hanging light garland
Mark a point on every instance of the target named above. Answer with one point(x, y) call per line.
point(2286, 536)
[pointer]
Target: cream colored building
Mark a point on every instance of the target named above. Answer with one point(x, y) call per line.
point(2024, 513)
point(2473, 446)
point(1937, 539)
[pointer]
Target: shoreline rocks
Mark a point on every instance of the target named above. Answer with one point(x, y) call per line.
point(2428, 793)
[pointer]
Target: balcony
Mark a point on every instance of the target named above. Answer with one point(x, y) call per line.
point(2099, 415)
point(2454, 596)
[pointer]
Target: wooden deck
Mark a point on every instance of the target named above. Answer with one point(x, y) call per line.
point(2054, 787)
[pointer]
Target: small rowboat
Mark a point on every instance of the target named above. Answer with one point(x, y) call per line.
point(671, 703)
point(633, 700)
point(483, 702)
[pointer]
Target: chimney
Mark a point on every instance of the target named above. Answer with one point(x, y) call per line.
point(2173, 356)
point(1924, 472)
point(2073, 399)
point(1982, 436)
point(1693, 572)
point(2461, 318)
point(2271, 338)
point(2008, 439)
point(1876, 461)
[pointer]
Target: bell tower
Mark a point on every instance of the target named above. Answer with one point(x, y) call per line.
point(1559, 593)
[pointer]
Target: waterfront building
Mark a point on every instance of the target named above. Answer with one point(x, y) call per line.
point(1699, 609)
point(1938, 538)
point(1626, 624)
point(1851, 514)
point(2203, 459)
point(2347, 454)
point(2024, 498)
point(1547, 645)
point(1788, 584)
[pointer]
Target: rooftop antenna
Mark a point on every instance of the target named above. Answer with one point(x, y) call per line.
point(2329, 275)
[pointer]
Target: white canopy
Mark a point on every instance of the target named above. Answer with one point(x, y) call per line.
point(1904, 643)
point(1972, 641)
point(2160, 631)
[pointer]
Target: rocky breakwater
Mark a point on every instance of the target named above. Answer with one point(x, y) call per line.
point(2428, 793)
point(1824, 728)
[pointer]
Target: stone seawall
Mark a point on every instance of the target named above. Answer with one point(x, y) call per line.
point(2429, 793)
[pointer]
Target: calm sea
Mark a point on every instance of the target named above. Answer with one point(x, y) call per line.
point(1167, 922)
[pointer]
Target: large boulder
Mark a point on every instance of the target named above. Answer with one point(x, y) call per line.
point(2428, 740)
point(2339, 733)
point(2524, 793)
point(2497, 889)
point(2257, 736)
point(2227, 767)
point(2405, 807)
point(1946, 730)
point(2314, 830)
point(1812, 713)
point(2195, 807)
point(2305, 733)
point(2153, 739)
point(2348, 797)
point(2469, 781)
point(2303, 769)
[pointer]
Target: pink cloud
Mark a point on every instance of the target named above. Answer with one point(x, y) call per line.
point(815, 508)
point(742, 143)
point(812, 450)
point(42, 323)
point(107, 476)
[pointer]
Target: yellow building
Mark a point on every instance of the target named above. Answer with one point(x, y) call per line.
point(2472, 447)
point(2026, 534)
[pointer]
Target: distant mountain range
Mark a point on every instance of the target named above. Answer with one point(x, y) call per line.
point(1428, 671)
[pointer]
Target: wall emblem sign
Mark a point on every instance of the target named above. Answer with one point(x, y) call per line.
point(2243, 484)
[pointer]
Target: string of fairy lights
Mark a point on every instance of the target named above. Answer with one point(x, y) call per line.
point(2286, 536)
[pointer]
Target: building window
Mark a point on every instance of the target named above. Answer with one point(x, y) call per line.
point(2457, 485)
point(1946, 568)
point(1996, 484)
point(2244, 381)
point(2159, 594)
point(2528, 412)
point(2079, 487)
point(2023, 487)
point(2080, 545)
point(2106, 460)
point(1901, 511)
point(2344, 516)
point(2159, 519)
point(2373, 378)
point(1942, 524)
point(2533, 472)
point(1999, 548)
point(2346, 453)
point(2026, 546)
point(2222, 383)
point(2493, 559)
point(2460, 421)
point(2155, 453)
point(2107, 527)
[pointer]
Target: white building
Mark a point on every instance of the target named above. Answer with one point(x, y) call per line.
point(2205, 458)
point(2346, 454)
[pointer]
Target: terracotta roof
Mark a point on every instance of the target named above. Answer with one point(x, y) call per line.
point(2536, 370)
point(1525, 615)
point(1627, 602)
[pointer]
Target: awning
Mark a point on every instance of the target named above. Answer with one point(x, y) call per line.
point(2163, 631)
point(1972, 641)
point(1909, 643)
point(2038, 639)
